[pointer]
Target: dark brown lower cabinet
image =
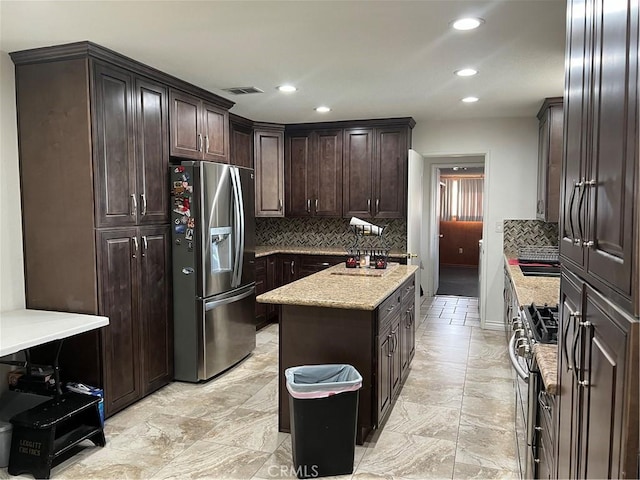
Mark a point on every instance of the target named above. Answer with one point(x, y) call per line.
point(598, 375)
point(368, 340)
point(134, 291)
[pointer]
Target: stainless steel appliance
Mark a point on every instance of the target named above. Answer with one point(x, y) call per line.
point(534, 324)
point(213, 235)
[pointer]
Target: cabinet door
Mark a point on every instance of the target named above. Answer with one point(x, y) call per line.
point(261, 287)
point(156, 313)
point(396, 357)
point(385, 353)
point(113, 147)
point(389, 174)
point(287, 268)
point(602, 376)
point(575, 132)
point(152, 151)
point(357, 191)
point(407, 337)
point(569, 395)
point(186, 125)
point(272, 272)
point(241, 147)
point(269, 162)
point(549, 160)
point(215, 123)
point(327, 174)
point(118, 252)
point(610, 192)
point(298, 174)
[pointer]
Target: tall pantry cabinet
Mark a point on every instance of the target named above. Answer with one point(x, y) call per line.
point(93, 131)
point(599, 336)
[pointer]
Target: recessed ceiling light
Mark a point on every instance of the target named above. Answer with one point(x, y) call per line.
point(287, 88)
point(323, 109)
point(466, 72)
point(467, 23)
point(470, 99)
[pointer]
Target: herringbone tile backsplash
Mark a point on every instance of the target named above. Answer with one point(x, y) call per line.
point(326, 232)
point(523, 233)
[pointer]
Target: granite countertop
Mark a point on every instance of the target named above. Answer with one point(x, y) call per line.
point(326, 289)
point(547, 358)
point(264, 250)
point(538, 290)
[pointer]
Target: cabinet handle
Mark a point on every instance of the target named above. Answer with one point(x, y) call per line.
point(369, 205)
point(316, 205)
point(583, 186)
point(377, 205)
point(143, 200)
point(145, 245)
point(135, 247)
point(308, 205)
point(279, 204)
point(206, 139)
point(134, 205)
point(571, 200)
point(199, 142)
point(389, 345)
point(572, 315)
point(293, 264)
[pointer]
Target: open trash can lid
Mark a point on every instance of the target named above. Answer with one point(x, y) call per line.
point(320, 381)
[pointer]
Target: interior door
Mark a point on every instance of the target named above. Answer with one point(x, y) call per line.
point(414, 215)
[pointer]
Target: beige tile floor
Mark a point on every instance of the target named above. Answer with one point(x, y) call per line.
point(453, 418)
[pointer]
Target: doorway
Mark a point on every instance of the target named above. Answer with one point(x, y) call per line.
point(461, 195)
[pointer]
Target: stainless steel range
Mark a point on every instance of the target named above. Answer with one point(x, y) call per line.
point(534, 324)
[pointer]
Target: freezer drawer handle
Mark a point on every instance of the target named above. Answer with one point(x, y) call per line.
point(216, 303)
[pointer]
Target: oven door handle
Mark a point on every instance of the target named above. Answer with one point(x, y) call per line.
point(514, 361)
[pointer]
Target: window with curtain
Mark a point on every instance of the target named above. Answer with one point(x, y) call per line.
point(461, 198)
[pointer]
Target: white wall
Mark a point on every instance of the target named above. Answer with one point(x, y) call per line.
point(11, 267)
point(510, 148)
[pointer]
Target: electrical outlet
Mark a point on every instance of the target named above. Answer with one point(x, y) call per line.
point(460, 250)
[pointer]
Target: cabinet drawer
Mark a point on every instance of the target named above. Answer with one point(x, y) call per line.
point(408, 290)
point(388, 309)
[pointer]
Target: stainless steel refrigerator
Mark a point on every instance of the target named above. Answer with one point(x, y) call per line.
point(213, 235)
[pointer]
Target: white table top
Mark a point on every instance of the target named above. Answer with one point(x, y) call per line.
point(20, 329)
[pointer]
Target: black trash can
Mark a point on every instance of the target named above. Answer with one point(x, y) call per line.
point(323, 408)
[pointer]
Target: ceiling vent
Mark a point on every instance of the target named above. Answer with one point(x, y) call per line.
point(243, 90)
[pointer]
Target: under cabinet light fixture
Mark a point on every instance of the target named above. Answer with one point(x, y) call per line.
point(323, 109)
point(470, 99)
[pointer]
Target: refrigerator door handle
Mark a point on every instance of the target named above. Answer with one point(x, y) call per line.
point(242, 224)
point(224, 301)
point(235, 281)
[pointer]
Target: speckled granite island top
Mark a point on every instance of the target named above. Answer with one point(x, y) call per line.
point(264, 250)
point(547, 357)
point(324, 289)
point(538, 290)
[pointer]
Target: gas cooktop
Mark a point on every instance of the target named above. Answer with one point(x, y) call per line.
point(543, 321)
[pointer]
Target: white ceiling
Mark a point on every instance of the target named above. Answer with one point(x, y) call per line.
point(364, 59)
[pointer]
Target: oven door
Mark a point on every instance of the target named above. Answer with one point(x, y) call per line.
point(521, 382)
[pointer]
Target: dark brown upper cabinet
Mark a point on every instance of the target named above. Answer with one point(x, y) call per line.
point(131, 157)
point(313, 173)
point(375, 171)
point(199, 130)
point(241, 141)
point(598, 225)
point(550, 117)
point(269, 170)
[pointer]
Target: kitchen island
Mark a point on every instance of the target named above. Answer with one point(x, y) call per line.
point(362, 317)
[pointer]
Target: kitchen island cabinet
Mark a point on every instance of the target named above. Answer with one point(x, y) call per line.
point(330, 317)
